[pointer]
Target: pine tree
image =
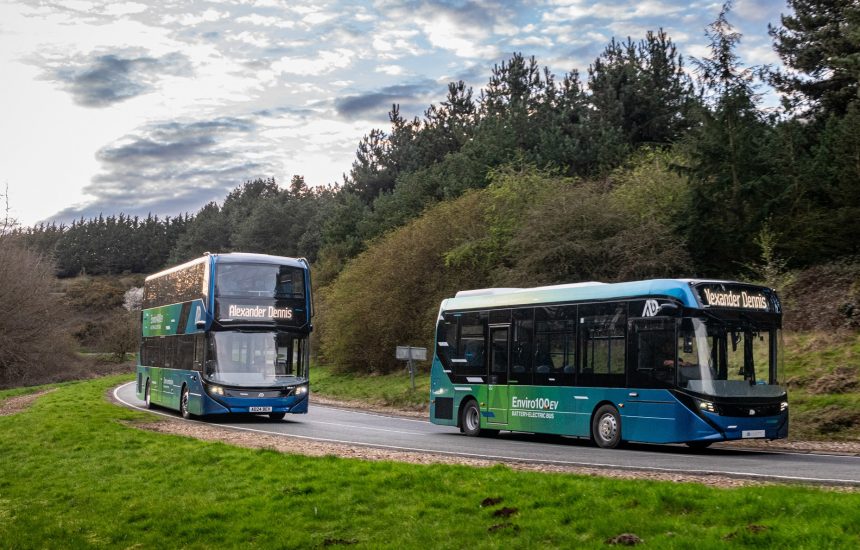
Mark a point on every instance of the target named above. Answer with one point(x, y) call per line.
point(820, 43)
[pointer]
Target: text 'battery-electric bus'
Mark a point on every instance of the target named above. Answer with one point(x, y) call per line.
point(659, 361)
point(227, 333)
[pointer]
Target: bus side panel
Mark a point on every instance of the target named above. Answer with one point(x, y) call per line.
point(656, 416)
point(170, 386)
point(546, 409)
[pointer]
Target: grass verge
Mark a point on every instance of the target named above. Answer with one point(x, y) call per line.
point(391, 390)
point(75, 473)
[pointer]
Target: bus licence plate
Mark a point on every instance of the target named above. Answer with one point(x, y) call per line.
point(752, 433)
point(269, 409)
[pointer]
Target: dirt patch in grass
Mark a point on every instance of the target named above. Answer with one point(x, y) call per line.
point(839, 380)
point(14, 405)
point(834, 419)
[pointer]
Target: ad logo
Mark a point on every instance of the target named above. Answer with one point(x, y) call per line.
point(651, 308)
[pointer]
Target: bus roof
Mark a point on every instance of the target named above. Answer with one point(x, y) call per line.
point(679, 289)
point(235, 257)
point(247, 257)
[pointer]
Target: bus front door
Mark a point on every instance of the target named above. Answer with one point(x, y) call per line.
point(497, 399)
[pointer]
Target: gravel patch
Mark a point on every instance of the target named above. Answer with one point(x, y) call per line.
point(14, 405)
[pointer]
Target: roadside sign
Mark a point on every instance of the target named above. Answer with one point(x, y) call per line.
point(411, 354)
point(405, 353)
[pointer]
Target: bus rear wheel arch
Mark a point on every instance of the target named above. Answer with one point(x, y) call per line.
point(183, 403)
point(606, 427)
point(147, 396)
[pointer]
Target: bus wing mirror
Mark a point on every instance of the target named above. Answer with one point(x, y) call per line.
point(667, 308)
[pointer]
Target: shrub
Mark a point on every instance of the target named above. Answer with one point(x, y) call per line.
point(34, 340)
point(585, 234)
point(389, 295)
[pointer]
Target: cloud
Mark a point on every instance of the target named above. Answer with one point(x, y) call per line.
point(103, 79)
point(378, 103)
point(173, 167)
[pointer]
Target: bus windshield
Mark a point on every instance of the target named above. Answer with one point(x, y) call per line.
point(260, 280)
point(728, 359)
point(255, 358)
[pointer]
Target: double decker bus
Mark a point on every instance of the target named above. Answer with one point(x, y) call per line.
point(656, 361)
point(227, 333)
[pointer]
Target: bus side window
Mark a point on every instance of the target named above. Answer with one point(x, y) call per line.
point(446, 339)
point(602, 330)
point(523, 344)
point(653, 353)
point(470, 358)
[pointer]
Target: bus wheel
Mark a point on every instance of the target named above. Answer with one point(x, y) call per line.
point(606, 427)
point(183, 403)
point(146, 397)
point(277, 416)
point(470, 419)
point(699, 444)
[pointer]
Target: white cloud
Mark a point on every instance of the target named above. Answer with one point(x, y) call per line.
point(190, 19)
point(325, 62)
point(124, 8)
point(266, 21)
point(390, 70)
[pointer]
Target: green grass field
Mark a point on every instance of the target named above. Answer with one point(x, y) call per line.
point(75, 473)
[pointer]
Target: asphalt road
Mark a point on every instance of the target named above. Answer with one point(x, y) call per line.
point(360, 428)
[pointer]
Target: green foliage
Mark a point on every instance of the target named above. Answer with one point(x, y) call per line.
point(388, 295)
point(587, 235)
point(77, 470)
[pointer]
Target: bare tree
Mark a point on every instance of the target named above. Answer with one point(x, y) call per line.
point(33, 333)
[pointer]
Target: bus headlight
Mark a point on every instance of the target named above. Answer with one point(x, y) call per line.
point(707, 406)
point(301, 390)
point(783, 406)
point(215, 390)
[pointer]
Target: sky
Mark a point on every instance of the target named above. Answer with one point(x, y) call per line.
point(161, 107)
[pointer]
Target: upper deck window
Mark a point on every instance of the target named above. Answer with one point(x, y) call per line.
point(260, 280)
point(181, 285)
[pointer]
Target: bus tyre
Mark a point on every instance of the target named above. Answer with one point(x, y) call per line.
point(183, 403)
point(470, 419)
point(277, 416)
point(606, 427)
point(147, 398)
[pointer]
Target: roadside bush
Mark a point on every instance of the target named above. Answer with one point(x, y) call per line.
point(389, 295)
point(34, 341)
point(581, 233)
point(95, 294)
point(119, 335)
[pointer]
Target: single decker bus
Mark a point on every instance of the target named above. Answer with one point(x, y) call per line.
point(227, 333)
point(656, 361)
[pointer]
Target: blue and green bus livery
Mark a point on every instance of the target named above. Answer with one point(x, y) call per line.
point(227, 333)
point(656, 361)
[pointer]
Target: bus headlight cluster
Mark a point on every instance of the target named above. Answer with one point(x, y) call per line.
point(783, 406)
point(301, 390)
point(215, 390)
point(707, 406)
